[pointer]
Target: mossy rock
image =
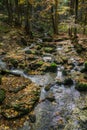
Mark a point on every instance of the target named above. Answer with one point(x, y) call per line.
point(85, 65)
point(65, 60)
point(28, 52)
point(64, 72)
point(50, 97)
point(2, 95)
point(49, 49)
point(14, 62)
point(32, 118)
point(81, 86)
point(40, 63)
point(14, 113)
point(79, 48)
point(37, 65)
point(68, 81)
point(47, 88)
point(17, 89)
point(39, 47)
point(51, 68)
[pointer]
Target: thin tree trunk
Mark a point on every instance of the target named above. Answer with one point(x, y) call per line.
point(71, 13)
point(56, 17)
point(76, 18)
point(28, 27)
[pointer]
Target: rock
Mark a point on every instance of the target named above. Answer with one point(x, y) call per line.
point(50, 97)
point(47, 88)
point(49, 49)
point(13, 114)
point(47, 39)
point(32, 118)
point(2, 95)
point(81, 86)
point(85, 65)
point(17, 89)
point(79, 48)
point(28, 52)
point(68, 81)
point(2, 65)
point(59, 81)
point(14, 62)
point(64, 72)
point(65, 60)
point(51, 68)
point(26, 126)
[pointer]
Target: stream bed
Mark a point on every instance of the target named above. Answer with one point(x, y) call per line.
point(61, 107)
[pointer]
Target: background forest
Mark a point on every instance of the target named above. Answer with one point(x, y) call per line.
point(50, 16)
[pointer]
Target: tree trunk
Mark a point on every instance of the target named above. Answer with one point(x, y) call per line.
point(17, 13)
point(56, 17)
point(71, 13)
point(28, 27)
point(9, 10)
point(76, 18)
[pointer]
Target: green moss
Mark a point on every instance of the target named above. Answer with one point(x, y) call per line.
point(81, 86)
point(53, 64)
point(40, 63)
point(51, 68)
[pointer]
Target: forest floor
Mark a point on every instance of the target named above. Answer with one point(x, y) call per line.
point(22, 58)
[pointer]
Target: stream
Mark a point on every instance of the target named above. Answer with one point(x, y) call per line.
point(58, 107)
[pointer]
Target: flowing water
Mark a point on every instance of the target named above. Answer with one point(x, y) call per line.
point(61, 113)
point(54, 115)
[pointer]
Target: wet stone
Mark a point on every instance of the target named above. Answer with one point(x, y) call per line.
point(50, 97)
point(32, 118)
point(47, 88)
